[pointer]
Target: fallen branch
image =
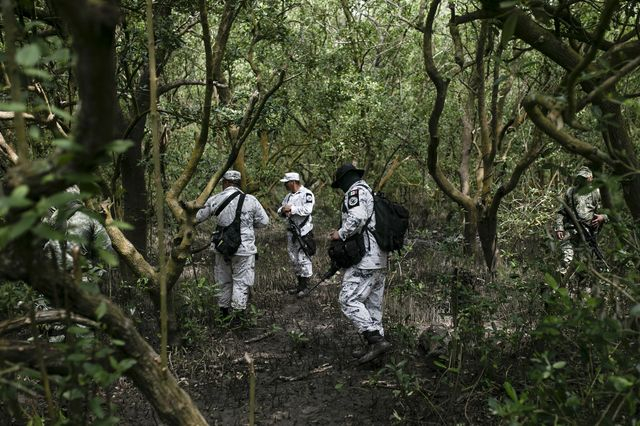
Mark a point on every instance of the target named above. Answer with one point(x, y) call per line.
point(44, 317)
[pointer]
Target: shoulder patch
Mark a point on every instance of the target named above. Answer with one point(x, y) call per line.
point(353, 199)
point(309, 198)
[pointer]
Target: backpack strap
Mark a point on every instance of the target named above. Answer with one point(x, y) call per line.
point(226, 202)
point(239, 206)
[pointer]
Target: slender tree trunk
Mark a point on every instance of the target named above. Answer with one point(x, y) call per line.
point(488, 233)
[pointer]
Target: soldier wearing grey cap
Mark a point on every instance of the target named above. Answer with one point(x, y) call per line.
point(297, 206)
point(582, 206)
point(362, 289)
point(235, 275)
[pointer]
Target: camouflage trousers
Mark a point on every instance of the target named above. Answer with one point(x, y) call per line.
point(301, 263)
point(361, 298)
point(568, 247)
point(235, 277)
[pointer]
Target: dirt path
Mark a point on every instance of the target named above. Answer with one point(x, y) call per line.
point(301, 349)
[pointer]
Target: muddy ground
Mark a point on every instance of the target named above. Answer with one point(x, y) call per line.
point(301, 350)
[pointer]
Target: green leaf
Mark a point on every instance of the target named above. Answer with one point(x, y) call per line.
point(508, 29)
point(119, 146)
point(560, 364)
point(47, 232)
point(76, 357)
point(510, 391)
point(126, 364)
point(96, 407)
point(11, 232)
point(61, 113)
point(121, 225)
point(13, 106)
point(77, 330)
point(620, 383)
point(67, 144)
point(635, 311)
point(38, 73)
point(72, 394)
point(101, 310)
point(29, 55)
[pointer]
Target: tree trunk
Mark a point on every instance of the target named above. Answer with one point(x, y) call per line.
point(487, 231)
point(470, 231)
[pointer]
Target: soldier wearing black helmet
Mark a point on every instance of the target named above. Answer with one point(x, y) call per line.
point(362, 290)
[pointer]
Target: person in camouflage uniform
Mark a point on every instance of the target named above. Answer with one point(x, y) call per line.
point(81, 232)
point(297, 207)
point(235, 275)
point(362, 292)
point(584, 207)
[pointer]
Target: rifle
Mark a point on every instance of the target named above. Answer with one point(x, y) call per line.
point(295, 230)
point(330, 273)
point(590, 234)
point(587, 232)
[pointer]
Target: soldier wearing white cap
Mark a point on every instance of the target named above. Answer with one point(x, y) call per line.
point(235, 274)
point(297, 206)
point(583, 207)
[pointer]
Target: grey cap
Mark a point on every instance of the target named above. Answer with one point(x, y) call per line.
point(585, 172)
point(233, 175)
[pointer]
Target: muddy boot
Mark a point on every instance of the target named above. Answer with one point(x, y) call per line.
point(377, 346)
point(303, 287)
point(359, 352)
point(297, 288)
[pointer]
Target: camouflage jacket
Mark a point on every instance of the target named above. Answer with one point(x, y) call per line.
point(358, 212)
point(80, 230)
point(252, 216)
point(583, 206)
point(302, 202)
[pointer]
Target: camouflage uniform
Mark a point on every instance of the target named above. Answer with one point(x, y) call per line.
point(584, 207)
point(362, 290)
point(235, 275)
point(81, 231)
point(302, 202)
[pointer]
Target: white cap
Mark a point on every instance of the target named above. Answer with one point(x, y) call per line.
point(290, 176)
point(231, 175)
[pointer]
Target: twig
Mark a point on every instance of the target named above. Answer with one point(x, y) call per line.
point(317, 370)
point(261, 337)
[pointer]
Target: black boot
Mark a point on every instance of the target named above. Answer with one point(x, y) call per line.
point(377, 346)
point(303, 286)
point(296, 289)
point(359, 352)
point(224, 314)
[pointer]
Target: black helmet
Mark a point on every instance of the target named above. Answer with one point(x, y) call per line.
point(342, 171)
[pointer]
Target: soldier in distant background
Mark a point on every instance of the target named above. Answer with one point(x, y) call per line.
point(297, 207)
point(235, 274)
point(583, 207)
point(80, 231)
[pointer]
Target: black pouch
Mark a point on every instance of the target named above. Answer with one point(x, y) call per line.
point(310, 243)
point(348, 252)
point(226, 239)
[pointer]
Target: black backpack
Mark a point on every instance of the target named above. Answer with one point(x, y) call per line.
point(227, 239)
point(392, 221)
